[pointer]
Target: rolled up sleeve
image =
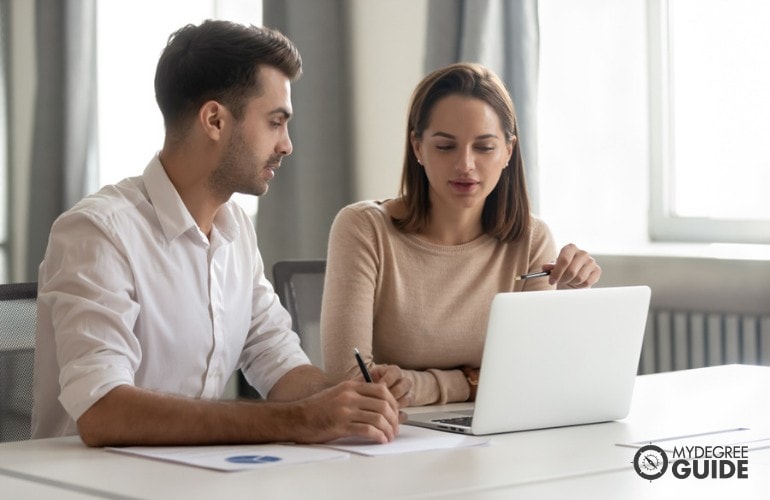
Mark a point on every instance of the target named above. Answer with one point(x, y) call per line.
point(86, 303)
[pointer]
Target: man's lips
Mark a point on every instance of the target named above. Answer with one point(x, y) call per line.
point(271, 168)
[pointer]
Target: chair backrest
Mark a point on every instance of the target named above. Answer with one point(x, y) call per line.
point(18, 313)
point(299, 284)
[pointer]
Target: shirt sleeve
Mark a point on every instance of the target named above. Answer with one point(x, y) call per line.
point(86, 300)
point(272, 348)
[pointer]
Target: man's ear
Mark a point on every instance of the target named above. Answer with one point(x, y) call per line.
point(212, 117)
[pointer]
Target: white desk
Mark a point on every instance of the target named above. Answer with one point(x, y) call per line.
point(575, 462)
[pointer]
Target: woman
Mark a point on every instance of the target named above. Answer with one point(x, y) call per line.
point(409, 281)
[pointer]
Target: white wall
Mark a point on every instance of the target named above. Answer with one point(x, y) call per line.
point(388, 51)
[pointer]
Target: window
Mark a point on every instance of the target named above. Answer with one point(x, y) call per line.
point(592, 122)
point(131, 36)
point(710, 120)
point(654, 119)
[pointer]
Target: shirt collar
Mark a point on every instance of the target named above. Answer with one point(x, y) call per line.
point(173, 216)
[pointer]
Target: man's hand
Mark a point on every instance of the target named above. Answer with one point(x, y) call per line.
point(351, 408)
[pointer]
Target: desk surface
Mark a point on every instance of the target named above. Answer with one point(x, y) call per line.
point(579, 462)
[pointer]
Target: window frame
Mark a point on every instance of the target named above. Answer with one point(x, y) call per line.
point(664, 224)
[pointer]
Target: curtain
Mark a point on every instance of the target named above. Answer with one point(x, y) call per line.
point(315, 181)
point(4, 128)
point(504, 36)
point(63, 159)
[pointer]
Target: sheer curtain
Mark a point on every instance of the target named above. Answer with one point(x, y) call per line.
point(4, 127)
point(295, 216)
point(62, 166)
point(317, 180)
point(504, 36)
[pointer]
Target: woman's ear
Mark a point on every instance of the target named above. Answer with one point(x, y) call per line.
point(510, 145)
point(416, 144)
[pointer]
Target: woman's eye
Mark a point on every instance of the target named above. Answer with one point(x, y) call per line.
point(485, 148)
point(444, 147)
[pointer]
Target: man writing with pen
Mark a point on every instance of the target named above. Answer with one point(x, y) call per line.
point(152, 291)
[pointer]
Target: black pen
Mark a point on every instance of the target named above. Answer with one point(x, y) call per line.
point(532, 275)
point(362, 365)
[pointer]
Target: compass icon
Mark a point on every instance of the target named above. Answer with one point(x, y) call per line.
point(650, 462)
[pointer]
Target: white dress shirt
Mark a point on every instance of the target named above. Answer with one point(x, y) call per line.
point(132, 292)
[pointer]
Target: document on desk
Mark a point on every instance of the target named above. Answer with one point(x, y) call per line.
point(753, 439)
point(249, 457)
point(235, 458)
point(410, 439)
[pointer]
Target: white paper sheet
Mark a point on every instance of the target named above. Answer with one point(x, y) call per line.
point(410, 439)
point(235, 458)
point(249, 457)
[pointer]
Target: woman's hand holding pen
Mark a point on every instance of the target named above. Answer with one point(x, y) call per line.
point(391, 377)
point(398, 385)
point(574, 268)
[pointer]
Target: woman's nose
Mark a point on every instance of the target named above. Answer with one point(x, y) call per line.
point(465, 162)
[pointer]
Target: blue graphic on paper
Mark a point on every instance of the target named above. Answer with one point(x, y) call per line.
point(252, 459)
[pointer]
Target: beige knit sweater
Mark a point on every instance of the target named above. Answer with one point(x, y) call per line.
point(404, 301)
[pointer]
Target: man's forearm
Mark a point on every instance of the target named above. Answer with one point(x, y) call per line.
point(132, 416)
point(301, 382)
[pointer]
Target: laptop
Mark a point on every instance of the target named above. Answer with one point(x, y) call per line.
point(554, 358)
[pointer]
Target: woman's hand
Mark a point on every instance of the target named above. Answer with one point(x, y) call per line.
point(574, 268)
point(393, 378)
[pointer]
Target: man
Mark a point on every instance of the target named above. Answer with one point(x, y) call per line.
point(152, 291)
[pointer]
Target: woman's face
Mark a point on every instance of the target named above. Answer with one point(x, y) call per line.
point(463, 151)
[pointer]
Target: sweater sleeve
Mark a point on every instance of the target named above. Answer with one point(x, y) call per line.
point(347, 314)
point(348, 298)
point(542, 251)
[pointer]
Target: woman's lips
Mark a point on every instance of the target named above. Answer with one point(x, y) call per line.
point(463, 186)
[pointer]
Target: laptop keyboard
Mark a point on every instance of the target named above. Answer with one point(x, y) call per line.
point(464, 421)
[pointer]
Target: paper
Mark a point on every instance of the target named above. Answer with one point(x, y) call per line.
point(235, 458)
point(740, 436)
point(410, 439)
point(249, 457)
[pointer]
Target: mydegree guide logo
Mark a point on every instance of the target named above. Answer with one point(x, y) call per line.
point(696, 462)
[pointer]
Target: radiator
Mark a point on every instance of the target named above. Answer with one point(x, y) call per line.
point(678, 340)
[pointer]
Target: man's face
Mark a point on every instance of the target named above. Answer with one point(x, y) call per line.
point(259, 141)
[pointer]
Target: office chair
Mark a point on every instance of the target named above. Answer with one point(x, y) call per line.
point(18, 313)
point(299, 285)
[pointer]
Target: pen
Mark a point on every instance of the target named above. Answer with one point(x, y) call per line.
point(362, 365)
point(532, 275)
